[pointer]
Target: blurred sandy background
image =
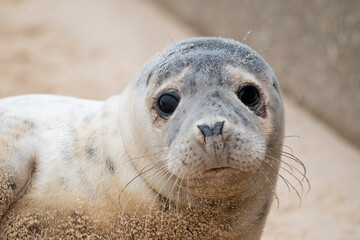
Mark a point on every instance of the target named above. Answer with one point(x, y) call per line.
point(93, 48)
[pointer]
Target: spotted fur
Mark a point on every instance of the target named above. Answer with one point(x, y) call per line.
point(129, 172)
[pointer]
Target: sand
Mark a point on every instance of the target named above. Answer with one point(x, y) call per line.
point(92, 49)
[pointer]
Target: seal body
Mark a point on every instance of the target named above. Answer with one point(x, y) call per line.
point(190, 150)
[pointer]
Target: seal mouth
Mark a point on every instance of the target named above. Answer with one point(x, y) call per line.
point(214, 173)
point(218, 171)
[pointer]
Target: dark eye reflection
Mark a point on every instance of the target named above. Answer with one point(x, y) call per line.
point(167, 103)
point(249, 95)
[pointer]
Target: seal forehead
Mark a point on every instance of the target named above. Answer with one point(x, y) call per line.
point(206, 55)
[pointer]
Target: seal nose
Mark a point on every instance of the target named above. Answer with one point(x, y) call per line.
point(208, 131)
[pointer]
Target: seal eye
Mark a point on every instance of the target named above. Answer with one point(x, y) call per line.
point(167, 103)
point(249, 95)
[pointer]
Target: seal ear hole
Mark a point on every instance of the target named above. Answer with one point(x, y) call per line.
point(249, 95)
point(167, 102)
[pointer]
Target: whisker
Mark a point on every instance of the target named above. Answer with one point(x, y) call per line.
point(178, 195)
point(287, 182)
point(293, 136)
point(272, 183)
point(246, 35)
point(146, 156)
point(291, 167)
point(303, 174)
point(141, 172)
point(294, 176)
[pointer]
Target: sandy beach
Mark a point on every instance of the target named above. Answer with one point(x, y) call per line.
point(92, 49)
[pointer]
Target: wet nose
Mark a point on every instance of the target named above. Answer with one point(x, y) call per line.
point(208, 131)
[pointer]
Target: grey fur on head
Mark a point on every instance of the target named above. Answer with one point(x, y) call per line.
point(202, 54)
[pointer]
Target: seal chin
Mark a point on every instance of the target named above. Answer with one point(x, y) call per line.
point(216, 174)
point(217, 182)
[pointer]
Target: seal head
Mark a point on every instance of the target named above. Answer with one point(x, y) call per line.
point(211, 113)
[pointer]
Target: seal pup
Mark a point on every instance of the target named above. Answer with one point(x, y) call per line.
point(190, 150)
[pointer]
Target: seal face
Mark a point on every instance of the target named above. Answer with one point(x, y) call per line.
point(215, 105)
point(197, 136)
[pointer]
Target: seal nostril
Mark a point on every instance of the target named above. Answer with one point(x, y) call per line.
point(207, 131)
point(218, 127)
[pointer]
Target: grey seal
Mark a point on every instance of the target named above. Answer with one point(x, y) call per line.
point(191, 149)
